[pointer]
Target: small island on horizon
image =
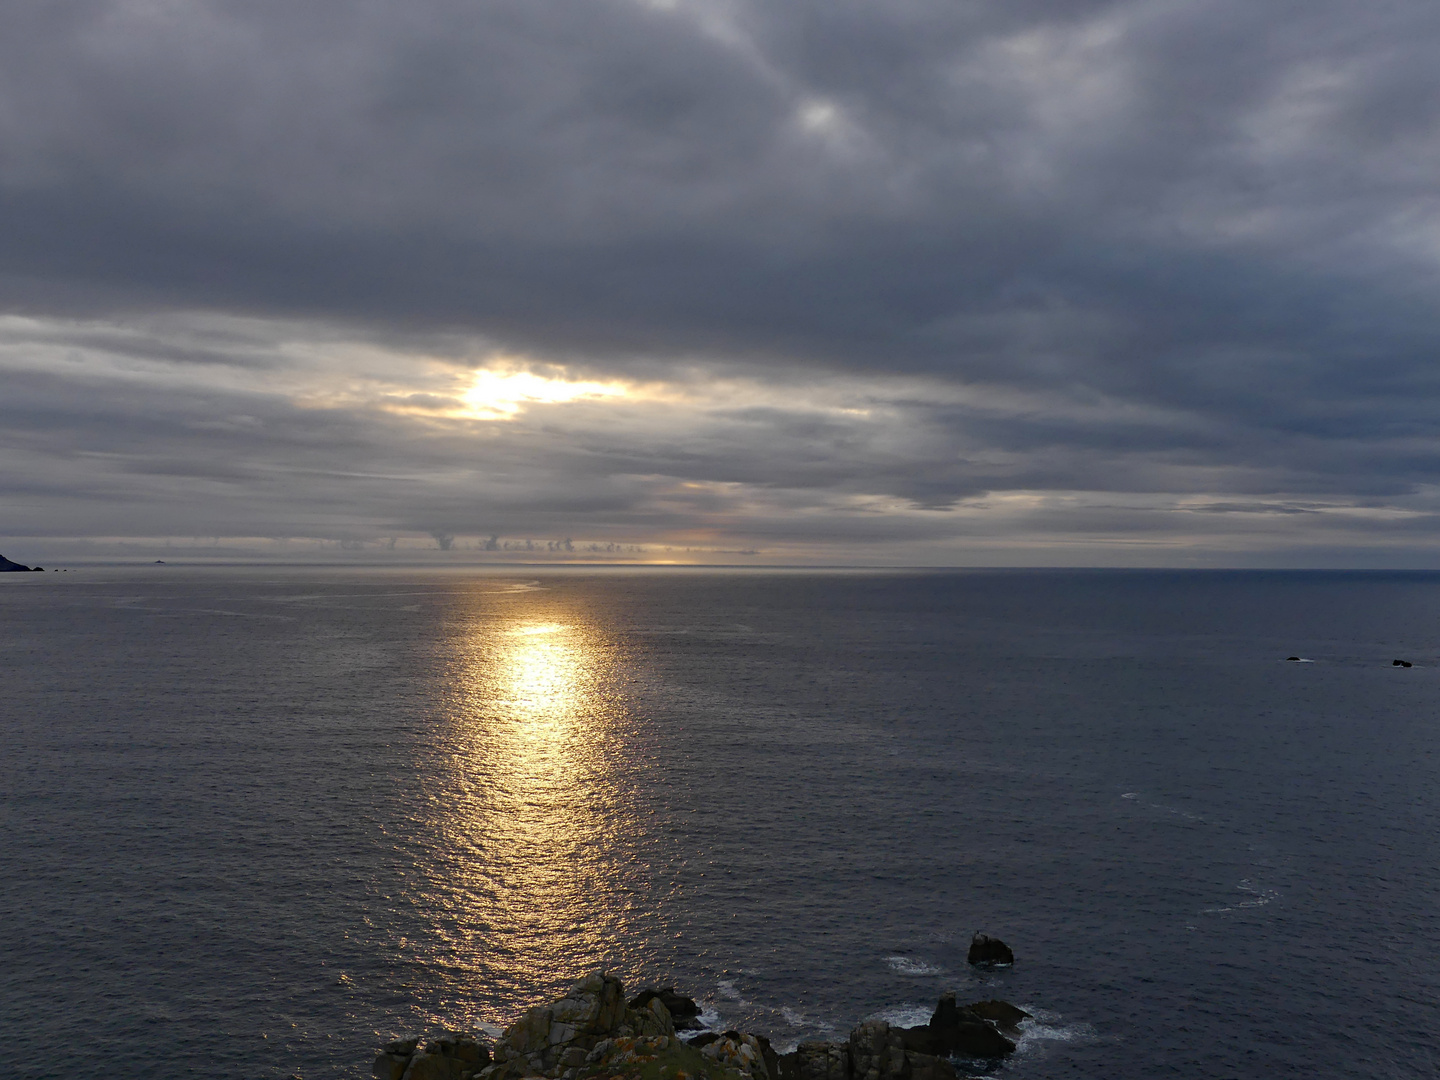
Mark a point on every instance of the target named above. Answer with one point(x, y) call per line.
point(7, 565)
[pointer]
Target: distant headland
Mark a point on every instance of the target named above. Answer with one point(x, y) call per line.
point(6, 565)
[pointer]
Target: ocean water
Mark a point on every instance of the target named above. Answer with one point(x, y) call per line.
point(254, 822)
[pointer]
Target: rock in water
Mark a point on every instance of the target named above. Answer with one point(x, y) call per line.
point(7, 565)
point(963, 1031)
point(1002, 1014)
point(1401, 663)
point(683, 1010)
point(985, 949)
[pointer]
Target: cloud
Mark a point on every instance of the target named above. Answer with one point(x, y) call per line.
point(905, 274)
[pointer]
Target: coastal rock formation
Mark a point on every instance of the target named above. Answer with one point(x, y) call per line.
point(1401, 663)
point(960, 1030)
point(6, 565)
point(683, 1010)
point(593, 1034)
point(555, 1040)
point(749, 1055)
point(985, 949)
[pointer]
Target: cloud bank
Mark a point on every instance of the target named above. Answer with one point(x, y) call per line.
point(1098, 283)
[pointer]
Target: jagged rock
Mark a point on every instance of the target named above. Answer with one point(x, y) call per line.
point(683, 1010)
point(392, 1059)
point(822, 1061)
point(1401, 663)
point(1002, 1014)
point(744, 1053)
point(962, 1031)
point(985, 949)
point(555, 1040)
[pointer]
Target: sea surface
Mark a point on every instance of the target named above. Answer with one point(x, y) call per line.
point(256, 821)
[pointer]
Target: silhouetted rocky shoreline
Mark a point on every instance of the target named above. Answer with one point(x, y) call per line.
point(6, 565)
point(594, 1033)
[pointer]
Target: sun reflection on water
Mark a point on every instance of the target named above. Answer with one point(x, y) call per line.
point(537, 803)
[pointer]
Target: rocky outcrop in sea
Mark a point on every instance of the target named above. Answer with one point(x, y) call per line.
point(7, 565)
point(594, 1033)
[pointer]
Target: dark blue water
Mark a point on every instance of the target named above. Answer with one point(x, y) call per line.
point(254, 822)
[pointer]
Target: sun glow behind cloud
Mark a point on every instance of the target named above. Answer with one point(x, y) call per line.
point(500, 395)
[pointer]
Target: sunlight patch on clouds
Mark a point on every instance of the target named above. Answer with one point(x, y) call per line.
point(500, 395)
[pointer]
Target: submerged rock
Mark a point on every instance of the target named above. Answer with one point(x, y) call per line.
point(985, 949)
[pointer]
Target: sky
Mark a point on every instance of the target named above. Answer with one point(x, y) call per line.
point(912, 282)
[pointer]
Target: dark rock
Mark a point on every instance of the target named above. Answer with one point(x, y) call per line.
point(1401, 663)
point(985, 949)
point(788, 1066)
point(929, 1067)
point(769, 1056)
point(683, 1010)
point(389, 1066)
point(1292, 658)
point(946, 1014)
point(7, 565)
point(450, 1057)
point(923, 1040)
point(877, 1052)
point(1002, 1014)
point(963, 1031)
point(705, 1038)
point(822, 1061)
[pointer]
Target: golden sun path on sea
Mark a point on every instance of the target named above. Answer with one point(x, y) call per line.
point(536, 811)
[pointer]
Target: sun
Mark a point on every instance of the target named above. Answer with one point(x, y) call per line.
point(499, 395)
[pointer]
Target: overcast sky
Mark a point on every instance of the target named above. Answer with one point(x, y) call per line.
point(896, 281)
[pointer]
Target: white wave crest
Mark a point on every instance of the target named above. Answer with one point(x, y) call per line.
point(906, 965)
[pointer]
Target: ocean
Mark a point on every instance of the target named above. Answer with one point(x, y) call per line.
point(256, 821)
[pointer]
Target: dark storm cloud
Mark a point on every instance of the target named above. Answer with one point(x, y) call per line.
point(1185, 249)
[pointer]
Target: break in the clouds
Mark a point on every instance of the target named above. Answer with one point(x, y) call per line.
point(914, 281)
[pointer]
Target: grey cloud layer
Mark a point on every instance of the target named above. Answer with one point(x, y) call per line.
point(1197, 242)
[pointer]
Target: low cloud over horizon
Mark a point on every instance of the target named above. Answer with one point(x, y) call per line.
point(928, 283)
